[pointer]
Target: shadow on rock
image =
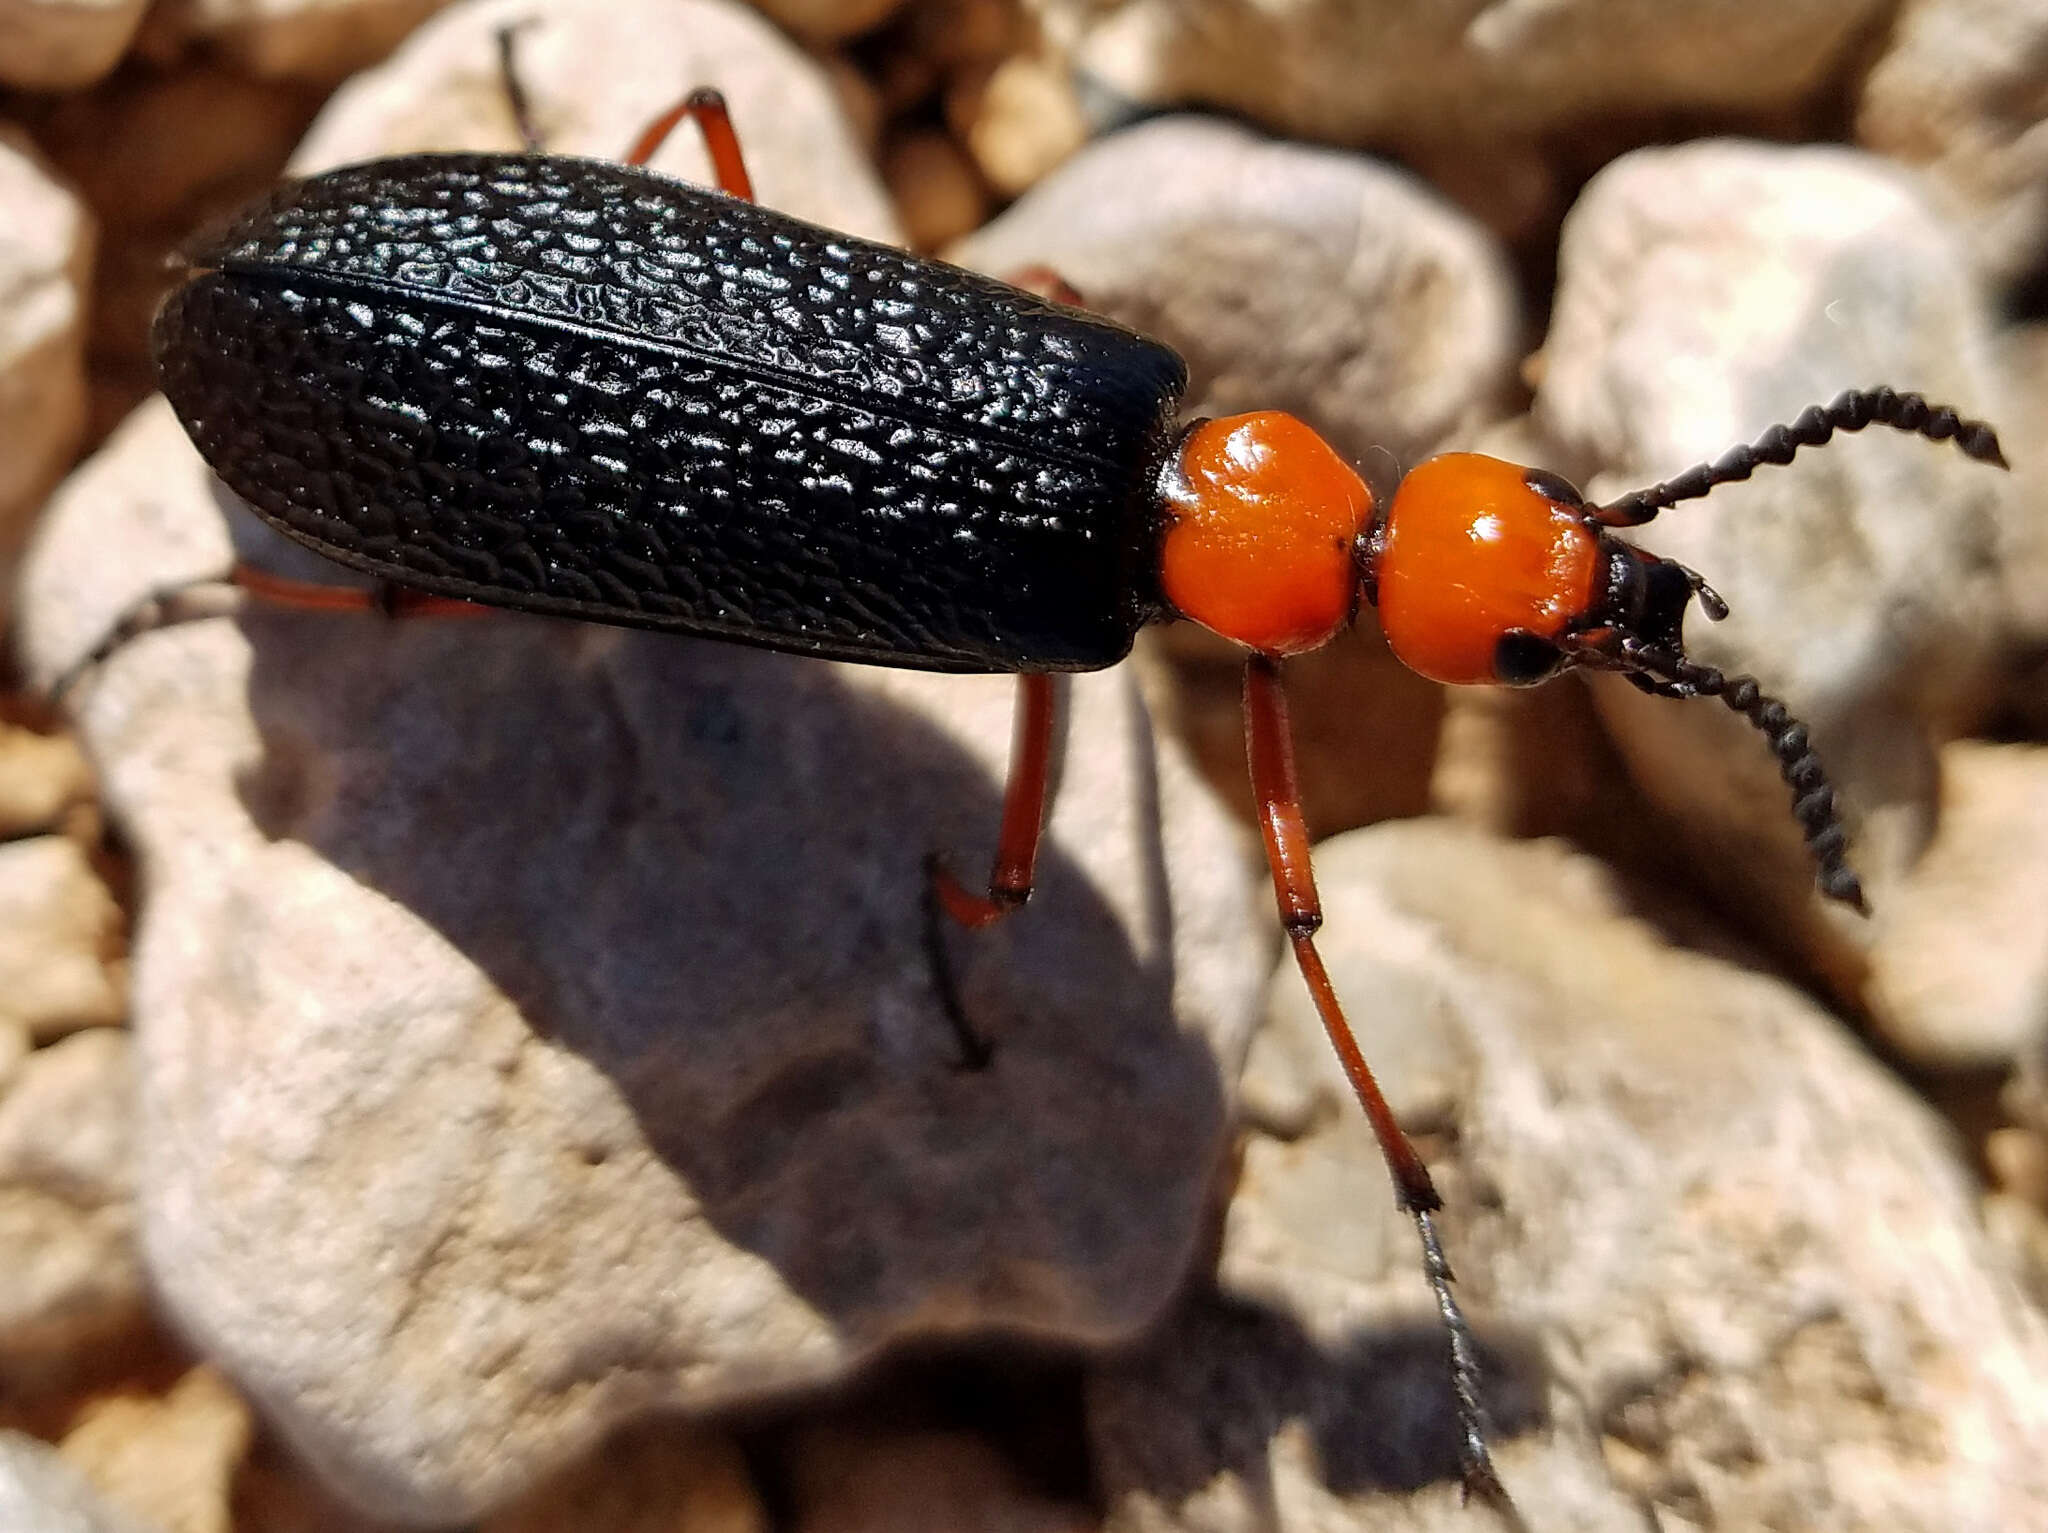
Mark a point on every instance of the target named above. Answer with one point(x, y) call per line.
point(1241, 1395)
point(699, 867)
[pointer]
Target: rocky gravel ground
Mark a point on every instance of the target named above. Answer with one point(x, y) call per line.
point(488, 1074)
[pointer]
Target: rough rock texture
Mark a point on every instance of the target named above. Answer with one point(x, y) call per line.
point(1291, 278)
point(1732, 1270)
point(46, 243)
point(40, 1493)
point(584, 1049)
point(51, 45)
point(1961, 91)
point(1394, 72)
point(1959, 951)
point(313, 39)
point(169, 1462)
point(1324, 284)
point(67, 1216)
point(597, 77)
point(59, 931)
point(1706, 292)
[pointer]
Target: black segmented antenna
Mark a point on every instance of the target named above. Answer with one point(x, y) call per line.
point(1851, 411)
point(1667, 673)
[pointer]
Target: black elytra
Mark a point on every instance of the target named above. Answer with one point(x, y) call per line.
point(587, 390)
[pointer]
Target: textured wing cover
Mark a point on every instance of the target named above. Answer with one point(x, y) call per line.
point(579, 388)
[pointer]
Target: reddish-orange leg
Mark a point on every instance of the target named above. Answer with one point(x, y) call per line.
point(315, 596)
point(1010, 879)
point(1269, 743)
point(1009, 883)
point(1024, 799)
point(715, 123)
point(224, 595)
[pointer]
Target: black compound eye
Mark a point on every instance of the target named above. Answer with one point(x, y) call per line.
point(1553, 487)
point(1522, 659)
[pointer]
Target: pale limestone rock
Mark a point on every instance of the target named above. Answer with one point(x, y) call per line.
point(321, 40)
point(2023, 559)
point(1325, 284)
point(1961, 91)
point(59, 932)
point(67, 1214)
point(1019, 119)
point(1959, 950)
point(597, 77)
point(14, 1050)
point(46, 249)
point(1732, 1271)
point(53, 45)
point(1706, 292)
point(40, 1493)
point(168, 1461)
point(41, 776)
point(1391, 72)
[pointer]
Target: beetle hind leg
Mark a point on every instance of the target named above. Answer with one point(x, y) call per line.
point(1016, 861)
point(229, 593)
point(714, 121)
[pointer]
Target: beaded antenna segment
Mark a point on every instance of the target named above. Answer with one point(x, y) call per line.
point(1579, 596)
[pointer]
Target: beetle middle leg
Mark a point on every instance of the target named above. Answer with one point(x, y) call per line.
point(1016, 860)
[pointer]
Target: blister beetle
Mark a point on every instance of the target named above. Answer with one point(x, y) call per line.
point(578, 388)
